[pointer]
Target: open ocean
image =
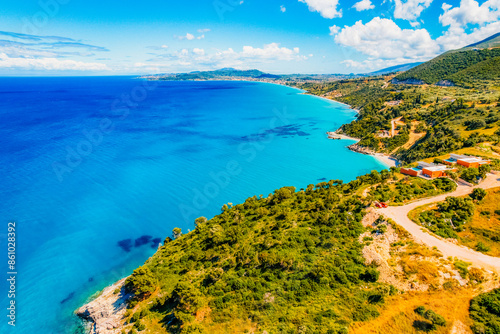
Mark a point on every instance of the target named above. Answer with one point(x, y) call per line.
point(95, 171)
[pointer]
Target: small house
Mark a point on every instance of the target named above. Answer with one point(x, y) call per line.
point(472, 162)
point(436, 171)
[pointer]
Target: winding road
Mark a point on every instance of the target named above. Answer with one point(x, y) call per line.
point(400, 215)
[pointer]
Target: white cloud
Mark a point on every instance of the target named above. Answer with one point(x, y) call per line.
point(363, 5)
point(202, 31)
point(248, 57)
point(334, 30)
point(199, 52)
point(191, 37)
point(49, 64)
point(456, 37)
point(372, 64)
point(271, 51)
point(385, 44)
point(283, 8)
point(470, 12)
point(382, 38)
point(485, 18)
point(327, 8)
point(410, 9)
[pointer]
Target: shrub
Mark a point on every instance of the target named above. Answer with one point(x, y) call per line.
point(140, 326)
point(462, 267)
point(485, 311)
point(476, 274)
point(434, 319)
point(370, 275)
point(480, 247)
point(478, 194)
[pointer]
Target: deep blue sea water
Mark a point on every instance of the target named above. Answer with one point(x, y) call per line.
point(86, 163)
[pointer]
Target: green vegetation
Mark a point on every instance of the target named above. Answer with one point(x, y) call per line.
point(485, 311)
point(449, 218)
point(433, 319)
point(410, 189)
point(288, 262)
point(472, 220)
point(472, 175)
point(437, 119)
point(456, 65)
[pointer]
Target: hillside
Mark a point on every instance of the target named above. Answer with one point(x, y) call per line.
point(490, 42)
point(314, 261)
point(394, 69)
point(457, 65)
point(280, 263)
point(445, 66)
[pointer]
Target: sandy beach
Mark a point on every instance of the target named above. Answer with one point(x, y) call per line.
point(386, 159)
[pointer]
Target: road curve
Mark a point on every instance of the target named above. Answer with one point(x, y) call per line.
point(400, 215)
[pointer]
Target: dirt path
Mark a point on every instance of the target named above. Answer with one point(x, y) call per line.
point(400, 215)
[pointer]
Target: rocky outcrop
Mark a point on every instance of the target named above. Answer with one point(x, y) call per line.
point(445, 83)
point(105, 313)
point(407, 82)
point(361, 149)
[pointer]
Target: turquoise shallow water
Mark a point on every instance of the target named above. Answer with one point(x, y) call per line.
point(94, 169)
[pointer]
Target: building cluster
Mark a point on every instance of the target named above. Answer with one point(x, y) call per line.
point(432, 171)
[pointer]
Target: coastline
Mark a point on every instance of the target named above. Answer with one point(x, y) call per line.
point(382, 157)
point(104, 315)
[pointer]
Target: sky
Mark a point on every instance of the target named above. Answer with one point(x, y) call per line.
point(124, 37)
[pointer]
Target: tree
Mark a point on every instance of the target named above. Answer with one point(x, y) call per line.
point(478, 194)
point(483, 170)
point(200, 220)
point(470, 175)
point(142, 282)
point(176, 233)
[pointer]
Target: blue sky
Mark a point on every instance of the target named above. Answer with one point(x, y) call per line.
point(111, 37)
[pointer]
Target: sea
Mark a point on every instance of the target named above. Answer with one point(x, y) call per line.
point(95, 172)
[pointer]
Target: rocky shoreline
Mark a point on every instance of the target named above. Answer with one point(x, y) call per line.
point(104, 315)
point(361, 149)
point(387, 159)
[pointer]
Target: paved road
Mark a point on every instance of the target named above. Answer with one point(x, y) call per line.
point(400, 215)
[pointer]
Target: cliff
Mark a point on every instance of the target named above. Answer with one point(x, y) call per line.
point(105, 313)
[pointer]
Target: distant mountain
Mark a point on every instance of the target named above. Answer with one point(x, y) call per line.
point(394, 69)
point(460, 67)
point(235, 74)
point(217, 74)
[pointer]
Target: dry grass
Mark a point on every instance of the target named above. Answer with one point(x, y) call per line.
point(398, 316)
point(483, 225)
